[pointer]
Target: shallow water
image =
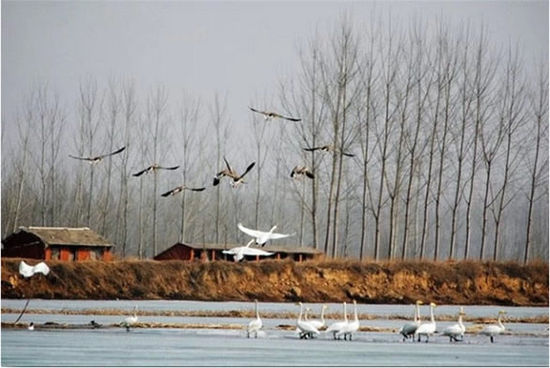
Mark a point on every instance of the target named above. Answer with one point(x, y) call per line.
point(273, 347)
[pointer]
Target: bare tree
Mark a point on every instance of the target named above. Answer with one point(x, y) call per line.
point(459, 137)
point(129, 115)
point(538, 171)
point(449, 55)
point(511, 117)
point(422, 84)
point(483, 73)
point(218, 121)
point(188, 126)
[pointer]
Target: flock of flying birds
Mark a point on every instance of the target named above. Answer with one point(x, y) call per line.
point(310, 328)
point(229, 172)
point(261, 237)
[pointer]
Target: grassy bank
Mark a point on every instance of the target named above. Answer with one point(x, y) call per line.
point(465, 282)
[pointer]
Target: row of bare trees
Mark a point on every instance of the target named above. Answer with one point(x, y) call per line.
point(449, 137)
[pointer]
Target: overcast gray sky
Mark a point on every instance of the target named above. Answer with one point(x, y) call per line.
point(241, 49)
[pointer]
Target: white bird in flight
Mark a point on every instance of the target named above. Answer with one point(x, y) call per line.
point(262, 237)
point(28, 271)
point(239, 252)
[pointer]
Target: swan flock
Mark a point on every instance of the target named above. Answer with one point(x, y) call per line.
point(307, 328)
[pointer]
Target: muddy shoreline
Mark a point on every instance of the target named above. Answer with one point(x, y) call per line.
point(395, 282)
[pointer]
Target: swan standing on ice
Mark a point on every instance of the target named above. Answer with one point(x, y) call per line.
point(351, 326)
point(409, 328)
point(427, 328)
point(318, 324)
point(239, 252)
point(495, 329)
point(256, 324)
point(337, 326)
point(130, 321)
point(262, 237)
point(306, 329)
point(456, 330)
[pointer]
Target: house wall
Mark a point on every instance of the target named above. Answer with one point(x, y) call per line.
point(178, 251)
point(35, 251)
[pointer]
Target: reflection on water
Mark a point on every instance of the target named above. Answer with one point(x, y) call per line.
point(200, 347)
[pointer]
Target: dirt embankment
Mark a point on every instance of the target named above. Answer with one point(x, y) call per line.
point(465, 282)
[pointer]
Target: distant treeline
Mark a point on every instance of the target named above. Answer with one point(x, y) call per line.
point(449, 137)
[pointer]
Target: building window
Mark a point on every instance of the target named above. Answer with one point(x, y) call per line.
point(55, 253)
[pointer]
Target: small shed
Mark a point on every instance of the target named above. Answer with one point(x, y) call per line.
point(57, 243)
point(190, 252)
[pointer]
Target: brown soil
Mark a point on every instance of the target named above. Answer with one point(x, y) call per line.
point(395, 282)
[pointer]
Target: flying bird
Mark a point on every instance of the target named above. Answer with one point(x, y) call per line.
point(96, 159)
point(239, 252)
point(229, 172)
point(154, 168)
point(300, 171)
point(28, 271)
point(268, 115)
point(262, 237)
point(181, 188)
point(328, 148)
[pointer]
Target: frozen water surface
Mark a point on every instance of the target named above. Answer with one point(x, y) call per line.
point(273, 347)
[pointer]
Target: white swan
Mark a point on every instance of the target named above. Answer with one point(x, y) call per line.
point(262, 237)
point(337, 326)
point(306, 329)
point(130, 321)
point(239, 252)
point(456, 330)
point(30, 327)
point(318, 324)
point(256, 324)
point(427, 328)
point(495, 329)
point(408, 329)
point(28, 271)
point(351, 326)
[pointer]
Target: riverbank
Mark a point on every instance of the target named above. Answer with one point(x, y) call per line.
point(395, 282)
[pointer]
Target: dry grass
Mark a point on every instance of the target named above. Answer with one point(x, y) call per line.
point(403, 282)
